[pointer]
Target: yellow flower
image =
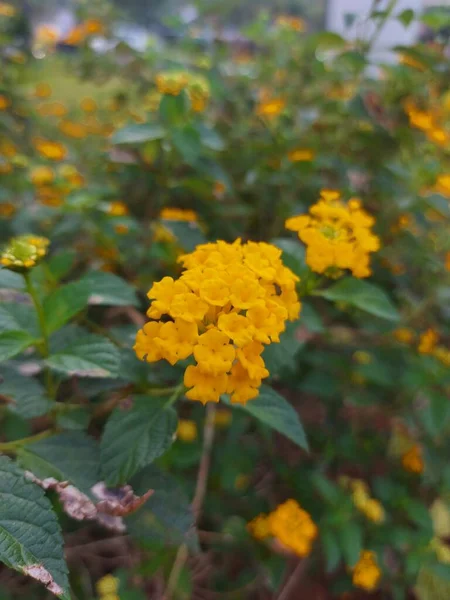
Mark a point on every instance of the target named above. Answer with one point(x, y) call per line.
point(52, 109)
point(412, 460)
point(7, 210)
point(88, 105)
point(187, 430)
point(407, 60)
point(270, 108)
point(293, 527)
point(73, 130)
point(222, 418)
point(229, 301)
point(23, 252)
point(442, 185)
point(427, 341)
point(404, 335)
point(438, 136)
point(92, 26)
point(301, 155)
point(42, 175)
point(75, 36)
point(337, 235)
point(294, 23)
point(6, 10)
point(259, 527)
point(107, 585)
point(117, 209)
point(43, 90)
point(171, 82)
point(178, 214)
point(50, 150)
point(366, 572)
point(46, 36)
point(4, 102)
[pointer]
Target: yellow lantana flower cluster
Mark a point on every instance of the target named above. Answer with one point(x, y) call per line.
point(366, 572)
point(230, 300)
point(174, 82)
point(368, 506)
point(429, 121)
point(337, 235)
point(23, 252)
point(289, 524)
point(412, 460)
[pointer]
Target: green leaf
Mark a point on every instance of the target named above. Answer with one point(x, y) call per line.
point(187, 141)
point(18, 317)
point(87, 355)
point(173, 109)
point(64, 303)
point(280, 357)
point(108, 289)
point(60, 264)
point(30, 537)
point(210, 138)
point(276, 412)
point(293, 255)
point(406, 16)
point(71, 456)
point(351, 542)
point(14, 342)
point(188, 234)
point(138, 134)
point(25, 396)
point(134, 437)
point(10, 280)
point(436, 18)
point(167, 514)
point(365, 296)
point(331, 550)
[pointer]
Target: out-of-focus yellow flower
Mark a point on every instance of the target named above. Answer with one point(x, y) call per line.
point(222, 418)
point(42, 175)
point(93, 26)
point(409, 61)
point(270, 108)
point(442, 185)
point(371, 508)
point(7, 210)
point(438, 136)
point(366, 572)
point(88, 105)
point(49, 196)
point(428, 341)
point(219, 189)
point(288, 22)
point(5, 102)
point(178, 214)
point(23, 252)
point(293, 527)
point(50, 150)
point(52, 109)
point(121, 228)
point(117, 209)
point(71, 174)
point(171, 82)
point(7, 148)
point(412, 460)
point(107, 585)
point(337, 235)
point(301, 155)
point(43, 90)
point(404, 335)
point(187, 430)
point(259, 527)
point(363, 358)
point(75, 36)
point(46, 36)
point(442, 354)
point(72, 129)
point(7, 10)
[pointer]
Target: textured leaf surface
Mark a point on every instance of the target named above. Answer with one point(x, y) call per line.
point(276, 412)
point(18, 317)
point(25, 396)
point(30, 537)
point(365, 296)
point(138, 134)
point(133, 438)
point(64, 303)
point(88, 355)
point(108, 289)
point(11, 281)
point(72, 456)
point(14, 342)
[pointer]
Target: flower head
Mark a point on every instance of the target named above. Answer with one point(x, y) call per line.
point(230, 300)
point(412, 460)
point(338, 235)
point(187, 430)
point(366, 572)
point(50, 150)
point(23, 252)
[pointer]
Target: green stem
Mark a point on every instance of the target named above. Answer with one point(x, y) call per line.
point(16, 445)
point(45, 349)
point(381, 23)
point(177, 392)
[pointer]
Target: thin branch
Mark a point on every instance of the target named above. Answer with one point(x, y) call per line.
point(199, 497)
point(293, 581)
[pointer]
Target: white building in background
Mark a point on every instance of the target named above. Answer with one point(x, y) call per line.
point(394, 33)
